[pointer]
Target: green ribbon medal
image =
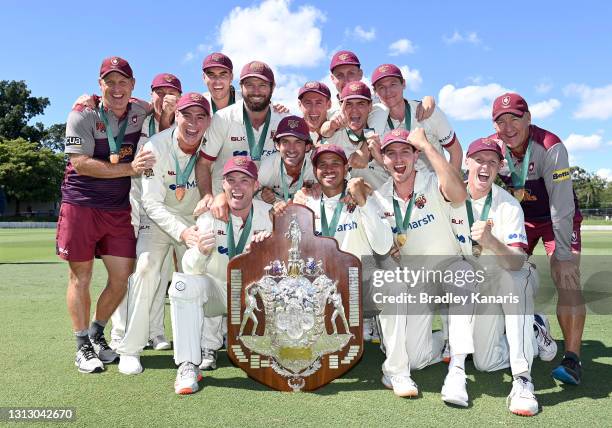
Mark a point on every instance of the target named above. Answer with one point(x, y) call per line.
point(255, 150)
point(518, 181)
point(354, 137)
point(232, 100)
point(284, 187)
point(402, 223)
point(232, 249)
point(182, 177)
point(477, 248)
point(330, 230)
point(407, 118)
point(152, 126)
point(113, 144)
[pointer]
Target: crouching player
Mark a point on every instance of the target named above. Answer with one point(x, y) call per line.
point(494, 221)
point(202, 288)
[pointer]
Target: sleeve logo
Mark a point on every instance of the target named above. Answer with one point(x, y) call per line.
point(73, 141)
point(561, 175)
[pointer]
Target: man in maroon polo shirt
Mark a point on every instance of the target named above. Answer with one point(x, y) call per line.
point(538, 175)
point(94, 217)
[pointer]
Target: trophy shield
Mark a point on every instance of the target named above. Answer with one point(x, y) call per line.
point(294, 307)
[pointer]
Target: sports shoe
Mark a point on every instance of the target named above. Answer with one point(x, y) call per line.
point(130, 364)
point(569, 371)
point(402, 386)
point(521, 400)
point(367, 329)
point(547, 347)
point(454, 389)
point(375, 337)
point(446, 352)
point(87, 360)
point(209, 359)
point(187, 377)
point(105, 353)
point(160, 343)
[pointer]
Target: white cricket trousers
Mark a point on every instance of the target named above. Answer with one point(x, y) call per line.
point(191, 298)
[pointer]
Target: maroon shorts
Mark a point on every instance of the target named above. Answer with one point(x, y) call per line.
point(544, 230)
point(84, 232)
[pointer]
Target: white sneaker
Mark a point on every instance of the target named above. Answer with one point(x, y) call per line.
point(209, 359)
point(402, 386)
point(105, 353)
point(130, 364)
point(454, 390)
point(522, 400)
point(547, 347)
point(446, 352)
point(187, 377)
point(87, 360)
point(160, 343)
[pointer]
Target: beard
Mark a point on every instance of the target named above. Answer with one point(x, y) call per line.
point(257, 105)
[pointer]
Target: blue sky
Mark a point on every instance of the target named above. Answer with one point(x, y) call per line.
point(558, 55)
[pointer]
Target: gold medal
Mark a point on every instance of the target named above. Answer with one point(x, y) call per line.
point(519, 194)
point(179, 192)
point(114, 158)
point(400, 239)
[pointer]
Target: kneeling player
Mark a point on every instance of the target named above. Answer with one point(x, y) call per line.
point(202, 289)
point(496, 226)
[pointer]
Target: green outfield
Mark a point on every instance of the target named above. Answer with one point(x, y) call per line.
point(37, 353)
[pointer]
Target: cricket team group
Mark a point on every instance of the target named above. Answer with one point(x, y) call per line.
point(186, 181)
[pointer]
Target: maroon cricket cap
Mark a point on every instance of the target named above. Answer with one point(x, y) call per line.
point(217, 59)
point(343, 58)
point(114, 63)
point(193, 99)
point(294, 126)
point(395, 136)
point(509, 103)
point(242, 164)
point(386, 70)
point(257, 69)
point(328, 148)
point(166, 80)
point(316, 87)
point(482, 144)
point(356, 90)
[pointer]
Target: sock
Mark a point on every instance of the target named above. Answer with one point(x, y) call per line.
point(524, 375)
point(96, 329)
point(457, 360)
point(571, 356)
point(82, 337)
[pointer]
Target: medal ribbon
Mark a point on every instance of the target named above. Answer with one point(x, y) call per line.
point(255, 149)
point(518, 182)
point(152, 126)
point(232, 249)
point(232, 100)
point(330, 230)
point(485, 210)
point(354, 137)
point(113, 144)
point(300, 182)
point(183, 176)
point(402, 223)
point(407, 118)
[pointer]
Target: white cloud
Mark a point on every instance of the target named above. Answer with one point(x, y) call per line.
point(401, 46)
point(605, 173)
point(273, 33)
point(544, 108)
point(577, 142)
point(470, 102)
point(596, 103)
point(189, 56)
point(286, 91)
point(360, 34)
point(467, 37)
point(200, 51)
point(543, 88)
point(413, 78)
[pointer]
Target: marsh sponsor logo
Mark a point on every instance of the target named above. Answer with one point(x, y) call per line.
point(73, 141)
point(561, 175)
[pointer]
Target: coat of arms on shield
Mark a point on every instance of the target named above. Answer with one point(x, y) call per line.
point(294, 307)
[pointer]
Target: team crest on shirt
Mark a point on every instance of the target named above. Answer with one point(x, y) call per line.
point(100, 127)
point(531, 167)
point(148, 173)
point(420, 201)
point(134, 120)
point(383, 68)
point(506, 101)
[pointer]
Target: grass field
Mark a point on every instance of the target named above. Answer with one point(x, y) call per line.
point(37, 352)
